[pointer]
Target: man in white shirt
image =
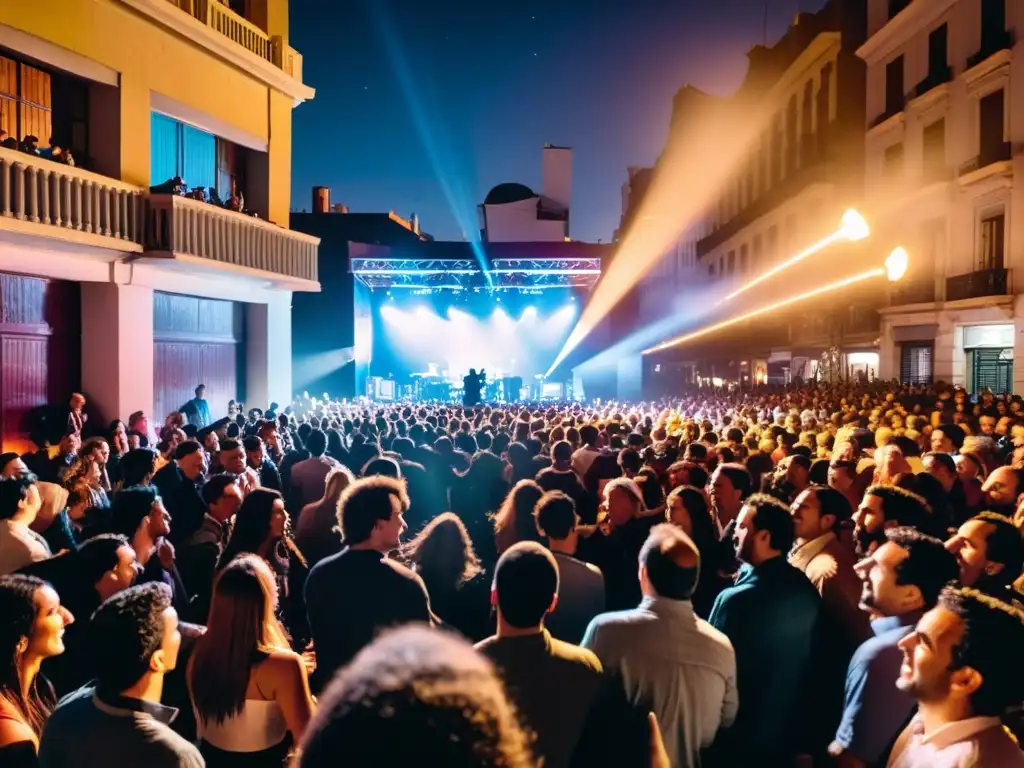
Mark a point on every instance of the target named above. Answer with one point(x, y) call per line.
point(668, 656)
point(19, 504)
point(960, 664)
point(585, 455)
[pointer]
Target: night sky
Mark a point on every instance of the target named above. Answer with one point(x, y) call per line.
point(490, 83)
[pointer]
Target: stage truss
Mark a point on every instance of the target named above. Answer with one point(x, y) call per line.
point(466, 274)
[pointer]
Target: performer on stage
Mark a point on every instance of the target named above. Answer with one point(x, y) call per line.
point(471, 385)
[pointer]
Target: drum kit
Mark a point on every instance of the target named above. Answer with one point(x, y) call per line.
point(435, 386)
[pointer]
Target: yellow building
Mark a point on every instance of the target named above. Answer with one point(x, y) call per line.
point(165, 291)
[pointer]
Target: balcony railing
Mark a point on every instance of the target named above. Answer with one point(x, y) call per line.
point(186, 227)
point(912, 292)
point(891, 110)
point(996, 153)
point(34, 189)
point(974, 285)
point(287, 59)
point(933, 81)
point(219, 17)
point(991, 44)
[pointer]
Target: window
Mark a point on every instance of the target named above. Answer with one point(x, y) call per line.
point(758, 245)
point(893, 162)
point(824, 107)
point(993, 242)
point(791, 232)
point(199, 158)
point(777, 156)
point(807, 144)
point(743, 259)
point(991, 126)
point(993, 20)
point(935, 151)
point(938, 52)
point(26, 107)
point(791, 136)
point(916, 363)
point(895, 6)
point(894, 94)
point(772, 243)
point(711, 270)
point(731, 262)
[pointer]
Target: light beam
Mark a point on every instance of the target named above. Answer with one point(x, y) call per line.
point(686, 337)
point(852, 228)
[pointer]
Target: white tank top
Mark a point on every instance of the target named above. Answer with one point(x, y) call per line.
point(260, 725)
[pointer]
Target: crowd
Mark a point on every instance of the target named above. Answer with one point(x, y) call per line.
point(816, 576)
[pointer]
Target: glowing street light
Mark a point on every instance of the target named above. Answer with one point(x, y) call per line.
point(852, 229)
point(894, 269)
point(896, 264)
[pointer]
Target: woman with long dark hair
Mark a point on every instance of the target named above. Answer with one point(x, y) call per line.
point(514, 521)
point(442, 554)
point(261, 528)
point(687, 507)
point(250, 691)
point(32, 622)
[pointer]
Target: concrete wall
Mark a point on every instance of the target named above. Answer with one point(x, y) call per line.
point(518, 223)
point(557, 175)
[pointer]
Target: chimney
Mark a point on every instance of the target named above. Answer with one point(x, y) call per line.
point(415, 221)
point(321, 199)
point(557, 175)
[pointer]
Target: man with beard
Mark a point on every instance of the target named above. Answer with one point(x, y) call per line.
point(902, 579)
point(960, 665)
point(771, 617)
point(990, 553)
point(886, 506)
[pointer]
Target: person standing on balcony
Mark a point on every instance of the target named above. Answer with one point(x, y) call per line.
point(77, 416)
point(197, 409)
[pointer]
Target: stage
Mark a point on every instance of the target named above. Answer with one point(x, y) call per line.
point(423, 323)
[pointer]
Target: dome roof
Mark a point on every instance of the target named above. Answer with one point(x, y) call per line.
point(509, 193)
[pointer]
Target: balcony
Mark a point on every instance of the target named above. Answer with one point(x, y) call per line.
point(234, 27)
point(921, 291)
point(891, 110)
point(43, 198)
point(819, 172)
point(214, 26)
point(994, 159)
point(933, 81)
point(991, 44)
point(193, 231)
point(975, 285)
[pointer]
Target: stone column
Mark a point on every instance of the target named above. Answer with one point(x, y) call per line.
point(117, 349)
point(269, 352)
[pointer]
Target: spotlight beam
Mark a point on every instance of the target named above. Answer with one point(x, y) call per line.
point(852, 229)
point(871, 273)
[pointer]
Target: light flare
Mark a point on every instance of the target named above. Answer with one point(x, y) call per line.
point(686, 337)
point(852, 228)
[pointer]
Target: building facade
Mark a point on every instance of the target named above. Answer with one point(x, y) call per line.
point(514, 213)
point(943, 157)
point(788, 190)
point(113, 282)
